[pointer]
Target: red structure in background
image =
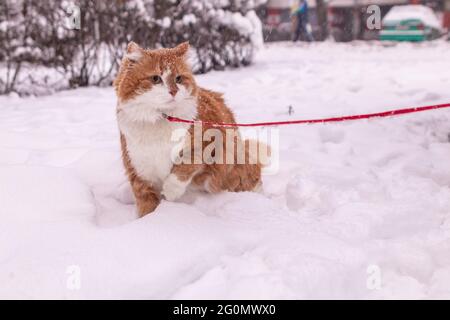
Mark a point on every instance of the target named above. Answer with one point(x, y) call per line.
point(446, 14)
point(273, 16)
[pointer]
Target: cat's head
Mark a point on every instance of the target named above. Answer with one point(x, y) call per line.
point(151, 83)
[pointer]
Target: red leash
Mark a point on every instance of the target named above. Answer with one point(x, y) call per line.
point(335, 119)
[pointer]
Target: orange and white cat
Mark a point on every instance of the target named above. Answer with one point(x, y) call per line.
point(154, 83)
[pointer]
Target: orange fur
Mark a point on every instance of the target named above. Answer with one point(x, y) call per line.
point(137, 76)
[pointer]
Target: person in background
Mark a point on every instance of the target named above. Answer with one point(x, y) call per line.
point(300, 13)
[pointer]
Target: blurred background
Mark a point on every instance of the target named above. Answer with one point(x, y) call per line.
point(46, 46)
point(352, 210)
point(344, 20)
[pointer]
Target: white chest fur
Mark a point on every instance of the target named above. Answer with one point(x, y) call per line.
point(150, 147)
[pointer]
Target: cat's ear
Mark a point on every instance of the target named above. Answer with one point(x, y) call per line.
point(134, 52)
point(182, 49)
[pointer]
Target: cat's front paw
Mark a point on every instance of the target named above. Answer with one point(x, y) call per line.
point(173, 188)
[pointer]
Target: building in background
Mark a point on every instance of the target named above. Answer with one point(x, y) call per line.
point(344, 20)
point(446, 8)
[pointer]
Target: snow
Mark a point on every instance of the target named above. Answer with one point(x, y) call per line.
point(189, 19)
point(420, 12)
point(256, 33)
point(165, 23)
point(248, 25)
point(350, 201)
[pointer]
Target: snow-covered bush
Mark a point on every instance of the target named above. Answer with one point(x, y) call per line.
point(221, 32)
point(17, 44)
point(35, 35)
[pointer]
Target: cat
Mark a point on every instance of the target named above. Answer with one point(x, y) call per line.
point(150, 85)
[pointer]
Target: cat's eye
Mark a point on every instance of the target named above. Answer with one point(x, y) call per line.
point(156, 79)
point(178, 79)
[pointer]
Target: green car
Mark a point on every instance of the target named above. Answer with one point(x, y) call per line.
point(410, 23)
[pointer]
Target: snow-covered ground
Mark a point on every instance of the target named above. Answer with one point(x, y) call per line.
point(353, 205)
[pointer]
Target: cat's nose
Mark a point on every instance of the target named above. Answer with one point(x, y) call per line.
point(173, 92)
